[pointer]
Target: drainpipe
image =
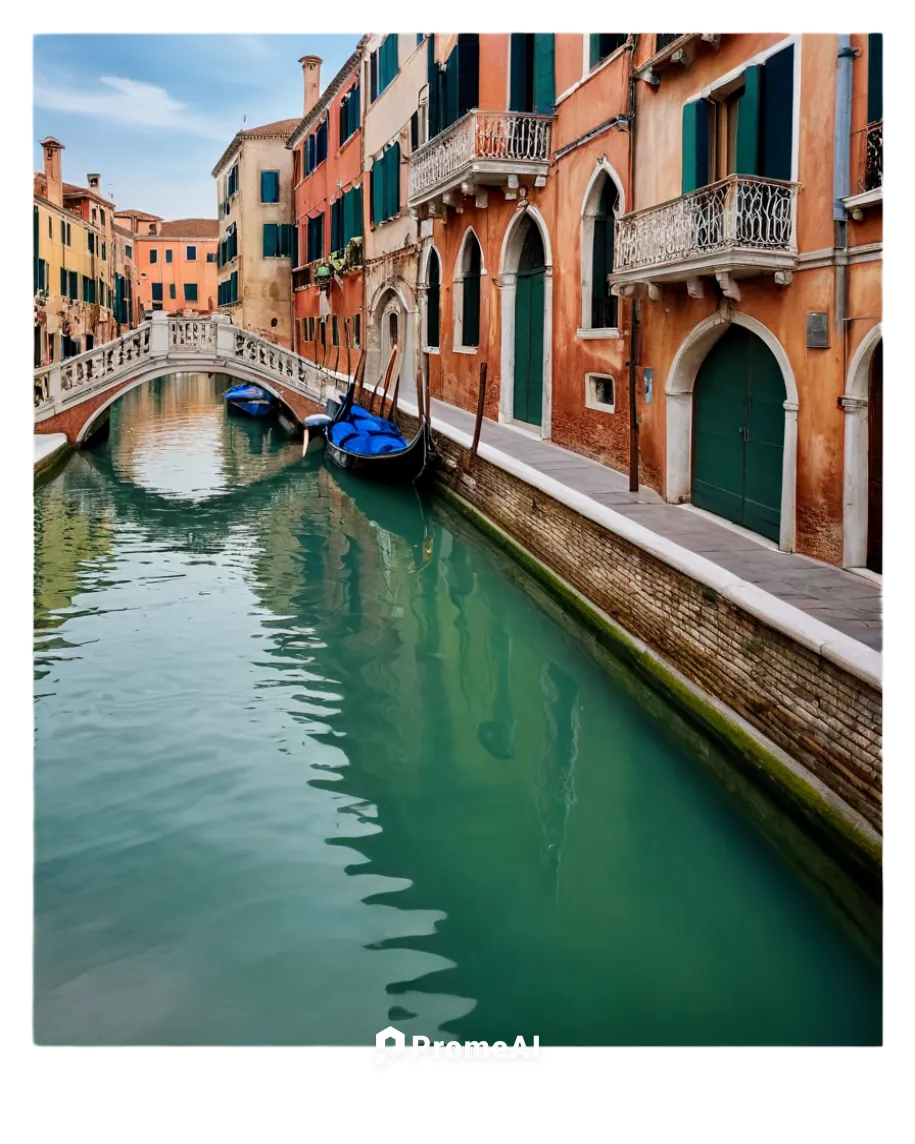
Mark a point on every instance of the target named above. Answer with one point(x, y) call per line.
point(842, 183)
point(633, 303)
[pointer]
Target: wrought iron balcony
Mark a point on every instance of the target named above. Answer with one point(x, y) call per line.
point(873, 160)
point(740, 226)
point(483, 148)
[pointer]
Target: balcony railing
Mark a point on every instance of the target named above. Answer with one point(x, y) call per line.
point(497, 137)
point(873, 160)
point(742, 211)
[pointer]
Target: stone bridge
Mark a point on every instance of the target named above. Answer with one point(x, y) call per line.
point(71, 395)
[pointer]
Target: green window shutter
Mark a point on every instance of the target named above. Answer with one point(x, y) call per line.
point(594, 56)
point(355, 100)
point(874, 77)
point(270, 240)
point(519, 72)
point(777, 117)
point(392, 160)
point(157, 291)
point(452, 97)
point(74, 285)
point(63, 283)
point(357, 212)
point(432, 77)
point(104, 252)
point(233, 283)
point(336, 225)
point(748, 117)
point(695, 145)
point(544, 73)
point(171, 290)
point(468, 72)
point(190, 291)
point(373, 77)
point(433, 299)
point(377, 190)
point(347, 205)
point(265, 187)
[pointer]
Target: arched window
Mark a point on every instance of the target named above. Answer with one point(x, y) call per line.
point(471, 264)
point(603, 303)
point(433, 300)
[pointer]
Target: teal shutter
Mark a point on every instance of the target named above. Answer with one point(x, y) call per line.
point(432, 77)
point(874, 77)
point(376, 190)
point(748, 119)
point(357, 212)
point(595, 55)
point(452, 94)
point(519, 79)
point(433, 298)
point(270, 240)
point(347, 210)
point(471, 284)
point(544, 73)
point(695, 145)
point(74, 285)
point(63, 283)
point(777, 117)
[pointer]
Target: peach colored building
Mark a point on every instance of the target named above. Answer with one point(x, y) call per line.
point(177, 266)
point(668, 247)
point(327, 179)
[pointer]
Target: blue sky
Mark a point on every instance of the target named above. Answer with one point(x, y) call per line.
point(154, 113)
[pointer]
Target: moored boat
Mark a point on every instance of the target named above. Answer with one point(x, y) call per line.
point(250, 399)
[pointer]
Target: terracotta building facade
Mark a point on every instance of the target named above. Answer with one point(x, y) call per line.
point(326, 149)
point(177, 266)
point(667, 250)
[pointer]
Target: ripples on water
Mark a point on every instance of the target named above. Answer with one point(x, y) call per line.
point(310, 760)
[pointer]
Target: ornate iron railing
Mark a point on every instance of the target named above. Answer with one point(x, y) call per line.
point(192, 333)
point(873, 161)
point(663, 40)
point(284, 365)
point(504, 136)
point(740, 211)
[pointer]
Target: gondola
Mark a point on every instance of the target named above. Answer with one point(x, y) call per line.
point(367, 445)
point(250, 399)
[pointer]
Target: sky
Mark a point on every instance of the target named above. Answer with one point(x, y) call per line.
point(154, 113)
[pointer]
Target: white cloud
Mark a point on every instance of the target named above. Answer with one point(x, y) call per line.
point(128, 101)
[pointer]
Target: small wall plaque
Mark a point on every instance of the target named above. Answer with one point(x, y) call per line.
point(817, 330)
point(649, 385)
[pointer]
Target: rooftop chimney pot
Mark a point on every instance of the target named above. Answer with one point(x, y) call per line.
point(311, 70)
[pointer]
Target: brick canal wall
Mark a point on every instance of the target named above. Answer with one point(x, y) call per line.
point(823, 716)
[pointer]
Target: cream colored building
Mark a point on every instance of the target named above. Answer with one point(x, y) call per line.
point(73, 262)
point(256, 233)
point(394, 85)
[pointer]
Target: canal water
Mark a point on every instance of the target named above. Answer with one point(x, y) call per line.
point(313, 758)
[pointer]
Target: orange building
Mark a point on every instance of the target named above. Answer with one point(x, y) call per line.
point(671, 241)
point(177, 266)
point(327, 179)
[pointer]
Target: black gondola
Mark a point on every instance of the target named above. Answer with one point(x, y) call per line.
point(406, 466)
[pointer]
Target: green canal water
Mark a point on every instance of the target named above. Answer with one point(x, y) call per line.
point(313, 758)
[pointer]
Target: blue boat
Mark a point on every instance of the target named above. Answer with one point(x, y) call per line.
point(251, 399)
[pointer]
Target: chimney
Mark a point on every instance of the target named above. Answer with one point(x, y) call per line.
point(52, 149)
point(94, 182)
point(311, 70)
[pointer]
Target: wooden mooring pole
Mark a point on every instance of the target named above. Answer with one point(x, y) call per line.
point(481, 403)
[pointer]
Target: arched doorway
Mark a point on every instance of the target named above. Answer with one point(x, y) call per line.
point(875, 462)
point(529, 313)
point(739, 433)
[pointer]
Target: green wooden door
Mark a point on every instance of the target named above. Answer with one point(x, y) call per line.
point(529, 298)
point(738, 434)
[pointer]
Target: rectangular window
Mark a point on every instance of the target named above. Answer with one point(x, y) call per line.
point(91, 238)
point(323, 333)
point(157, 291)
point(321, 144)
point(101, 215)
point(168, 255)
point(336, 225)
point(171, 290)
point(153, 257)
point(386, 185)
point(104, 251)
point(335, 330)
point(533, 85)
point(190, 291)
point(191, 254)
point(349, 114)
point(600, 392)
point(604, 44)
point(50, 227)
point(311, 329)
point(270, 186)
point(88, 290)
point(357, 330)
point(232, 183)
point(874, 77)
point(211, 257)
point(315, 238)
point(73, 285)
point(128, 251)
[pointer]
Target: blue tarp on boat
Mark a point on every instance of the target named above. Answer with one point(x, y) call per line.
point(364, 433)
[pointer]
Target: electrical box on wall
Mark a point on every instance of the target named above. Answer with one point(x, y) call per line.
point(817, 330)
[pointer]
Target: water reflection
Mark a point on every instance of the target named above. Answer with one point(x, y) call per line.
point(322, 765)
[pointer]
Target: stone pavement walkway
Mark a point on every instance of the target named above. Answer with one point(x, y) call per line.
point(845, 601)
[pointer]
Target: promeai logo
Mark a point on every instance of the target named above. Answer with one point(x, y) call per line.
point(391, 1043)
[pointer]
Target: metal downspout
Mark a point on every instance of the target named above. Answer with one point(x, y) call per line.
point(842, 185)
point(633, 302)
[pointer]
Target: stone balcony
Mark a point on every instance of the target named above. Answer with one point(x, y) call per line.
point(482, 149)
point(737, 228)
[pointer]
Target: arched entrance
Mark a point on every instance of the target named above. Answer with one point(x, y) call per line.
point(527, 336)
point(393, 319)
point(529, 297)
point(739, 433)
point(863, 478)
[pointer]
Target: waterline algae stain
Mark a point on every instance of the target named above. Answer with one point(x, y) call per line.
point(310, 762)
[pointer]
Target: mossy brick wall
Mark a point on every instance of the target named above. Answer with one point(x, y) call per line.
point(821, 715)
